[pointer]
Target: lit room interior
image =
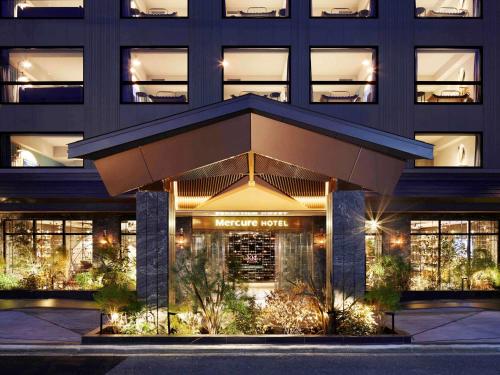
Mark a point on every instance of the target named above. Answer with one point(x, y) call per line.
point(452, 150)
point(61, 66)
point(261, 72)
point(35, 150)
point(157, 8)
point(447, 8)
point(256, 8)
point(43, 8)
point(156, 75)
point(342, 8)
point(342, 75)
point(448, 75)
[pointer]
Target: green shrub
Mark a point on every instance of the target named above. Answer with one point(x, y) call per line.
point(356, 320)
point(87, 281)
point(8, 281)
point(115, 298)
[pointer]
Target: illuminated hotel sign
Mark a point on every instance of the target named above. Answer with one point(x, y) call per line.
point(247, 223)
point(252, 223)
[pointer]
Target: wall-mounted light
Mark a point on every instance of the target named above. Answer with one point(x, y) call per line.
point(180, 239)
point(397, 240)
point(373, 225)
point(224, 63)
point(136, 62)
point(105, 238)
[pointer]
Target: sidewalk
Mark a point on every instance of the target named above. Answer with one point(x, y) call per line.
point(46, 321)
point(429, 322)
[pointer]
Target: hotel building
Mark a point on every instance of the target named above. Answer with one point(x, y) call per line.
point(303, 137)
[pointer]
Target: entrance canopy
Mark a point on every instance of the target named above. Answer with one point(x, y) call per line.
point(249, 141)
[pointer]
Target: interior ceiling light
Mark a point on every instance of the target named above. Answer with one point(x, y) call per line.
point(224, 63)
point(365, 62)
point(26, 64)
point(136, 62)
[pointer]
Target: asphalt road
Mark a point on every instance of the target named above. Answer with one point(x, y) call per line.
point(327, 363)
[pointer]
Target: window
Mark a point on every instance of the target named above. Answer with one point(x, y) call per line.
point(448, 75)
point(448, 8)
point(128, 238)
point(42, 8)
point(41, 150)
point(373, 248)
point(155, 8)
point(259, 71)
point(256, 8)
point(453, 254)
point(48, 253)
point(41, 75)
point(343, 75)
point(452, 150)
point(344, 8)
point(155, 75)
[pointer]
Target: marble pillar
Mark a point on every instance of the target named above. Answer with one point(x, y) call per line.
point(152, 215)
point(348, 247)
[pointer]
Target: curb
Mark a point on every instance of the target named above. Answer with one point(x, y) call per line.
point(243, 350)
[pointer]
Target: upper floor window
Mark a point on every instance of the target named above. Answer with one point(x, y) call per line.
point(41, 75)
point(42, 8)
point(344, 8)
point(448, 75)
point(256, 8)
point(452, 150)
point(155, 75)
point(259, 71)
point(448, 8)
point(343, 75)
point(39, 150)
point(155, 8)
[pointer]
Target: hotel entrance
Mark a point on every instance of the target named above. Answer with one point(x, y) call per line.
point(275, 188)
point(270, 252)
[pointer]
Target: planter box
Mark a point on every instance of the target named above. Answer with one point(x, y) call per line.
point(94, 338)
point(83, 295)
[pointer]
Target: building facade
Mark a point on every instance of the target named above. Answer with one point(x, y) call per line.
point(420, 69)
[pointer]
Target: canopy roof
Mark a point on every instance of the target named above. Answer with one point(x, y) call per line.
point(217, 134)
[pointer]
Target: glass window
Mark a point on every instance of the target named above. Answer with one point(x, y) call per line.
point(40, 150)
point(373, 248)
point(41, 75)
point(259, 71)
point(256, 8)
point(424, 226)
point(343, 75)
point(128, 238)
point(42, 8)
point(155, 75)
point(448, 75)
point(344, 8)
point(452, 150)
point(48, 254)
point(448, 8)
point(460, 254)
point(155, 8)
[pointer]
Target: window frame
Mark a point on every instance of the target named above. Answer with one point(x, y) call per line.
point(224, 16)
point(70, 83)
point(440, 234)
point(5, 152)
point(122, 82)
point(479, 83)
point(479, 136)
point(46, 18)
point(121, 9)
point(34, 233)
point(481, 11)
point(344, 83)
point(375, 16)
point(288, 82)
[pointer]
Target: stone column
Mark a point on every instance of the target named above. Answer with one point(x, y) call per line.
point(347, 210)
point(152, 247)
